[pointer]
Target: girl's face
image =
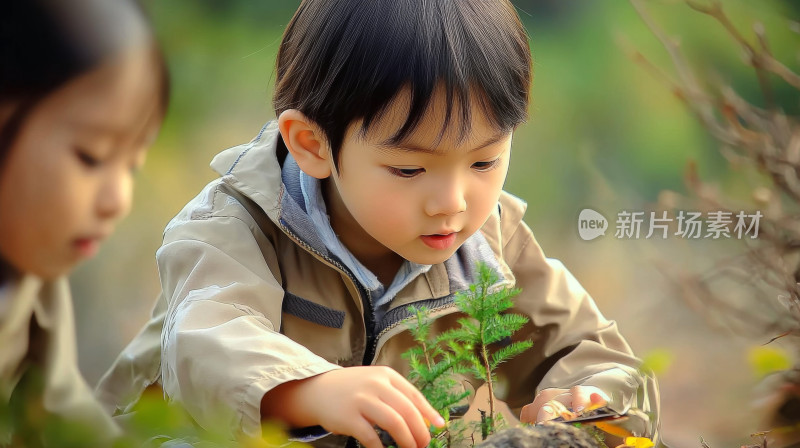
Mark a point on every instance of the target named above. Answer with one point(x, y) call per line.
point(68, 176)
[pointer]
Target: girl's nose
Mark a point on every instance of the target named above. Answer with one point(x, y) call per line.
point(446, 199)
point(115, 195)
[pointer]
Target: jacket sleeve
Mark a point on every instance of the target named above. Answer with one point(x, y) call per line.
point(221, 345)
point(573, 343)
point(136, 368)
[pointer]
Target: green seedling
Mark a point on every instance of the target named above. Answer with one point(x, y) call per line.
point(466, 349)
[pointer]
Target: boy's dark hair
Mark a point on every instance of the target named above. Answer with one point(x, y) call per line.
point(345, 60)
point(47, 43)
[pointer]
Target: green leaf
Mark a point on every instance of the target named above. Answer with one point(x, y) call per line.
point(470, 330)
point(506, 353)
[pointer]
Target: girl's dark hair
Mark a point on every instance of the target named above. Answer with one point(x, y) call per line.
point(345, 60)
point(46, 43)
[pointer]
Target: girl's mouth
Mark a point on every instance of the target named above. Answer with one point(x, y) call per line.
point(87, 247)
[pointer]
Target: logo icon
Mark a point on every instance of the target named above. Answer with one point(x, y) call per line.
point(591, 224)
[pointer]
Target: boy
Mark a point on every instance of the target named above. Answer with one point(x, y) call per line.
point(286, 280)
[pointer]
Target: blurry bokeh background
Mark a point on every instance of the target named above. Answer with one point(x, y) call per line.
point(603, 134)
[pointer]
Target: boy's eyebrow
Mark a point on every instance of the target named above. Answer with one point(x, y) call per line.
point(386, 145)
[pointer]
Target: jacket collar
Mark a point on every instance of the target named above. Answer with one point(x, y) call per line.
point(253, 169)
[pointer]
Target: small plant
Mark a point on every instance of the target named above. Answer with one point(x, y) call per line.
point(432, 369)
point(465, 349)
point(432, 365)
point(486, 325)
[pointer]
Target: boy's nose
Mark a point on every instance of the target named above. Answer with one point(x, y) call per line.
point(446, 200)
point(114, 197)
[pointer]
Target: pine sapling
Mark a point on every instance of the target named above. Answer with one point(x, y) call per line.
point(487, 324)
point(432, 369)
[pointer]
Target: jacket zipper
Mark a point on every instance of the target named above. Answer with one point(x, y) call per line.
point(369, 320)
point(373, 339)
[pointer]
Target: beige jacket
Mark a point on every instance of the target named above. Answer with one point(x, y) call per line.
point(37, 337)
point(251, 300)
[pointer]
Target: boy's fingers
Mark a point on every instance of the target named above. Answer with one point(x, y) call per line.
point(419, 401)
point(552, 403)
point(382, 415)
point(546, 413)
point(530, 412)
point(563, 401)
point(597, 400)
point(527, 414)
point(602, 394)
point(365, 433)
point(580, 398)
point(410, 414)
point(552, 409)
point(559, 409)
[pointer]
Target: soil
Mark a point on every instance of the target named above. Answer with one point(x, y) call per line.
point(546, 435)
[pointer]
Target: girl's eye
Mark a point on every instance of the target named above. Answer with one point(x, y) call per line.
point(87, 159)
point(406, 172)
point(485, 166)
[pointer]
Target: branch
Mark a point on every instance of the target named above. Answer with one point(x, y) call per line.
point(759, 60)
point(766, 87)
point(702, 105)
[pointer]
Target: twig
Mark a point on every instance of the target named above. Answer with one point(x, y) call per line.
point(765, 138)
point(766, 87)
point(758, 60)
point(691, 87)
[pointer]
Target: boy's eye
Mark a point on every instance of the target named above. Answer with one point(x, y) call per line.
point(406, 172)
point(485, 166)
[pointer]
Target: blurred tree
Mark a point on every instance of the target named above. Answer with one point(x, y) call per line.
point(760, 139)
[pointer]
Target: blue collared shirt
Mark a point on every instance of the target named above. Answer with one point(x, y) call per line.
point(381, 296)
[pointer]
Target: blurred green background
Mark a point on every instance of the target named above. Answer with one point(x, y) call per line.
point(603, 133)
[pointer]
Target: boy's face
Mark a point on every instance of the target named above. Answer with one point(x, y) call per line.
point(422, 199)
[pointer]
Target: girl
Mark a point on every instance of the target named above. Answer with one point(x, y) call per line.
point(83, 90)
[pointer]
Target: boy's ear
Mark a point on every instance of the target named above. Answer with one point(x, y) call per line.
point(305, 142)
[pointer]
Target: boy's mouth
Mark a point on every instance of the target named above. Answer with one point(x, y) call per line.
point(439, 241)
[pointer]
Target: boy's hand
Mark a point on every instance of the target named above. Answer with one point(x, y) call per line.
point(548, 402)
point(352, 401)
